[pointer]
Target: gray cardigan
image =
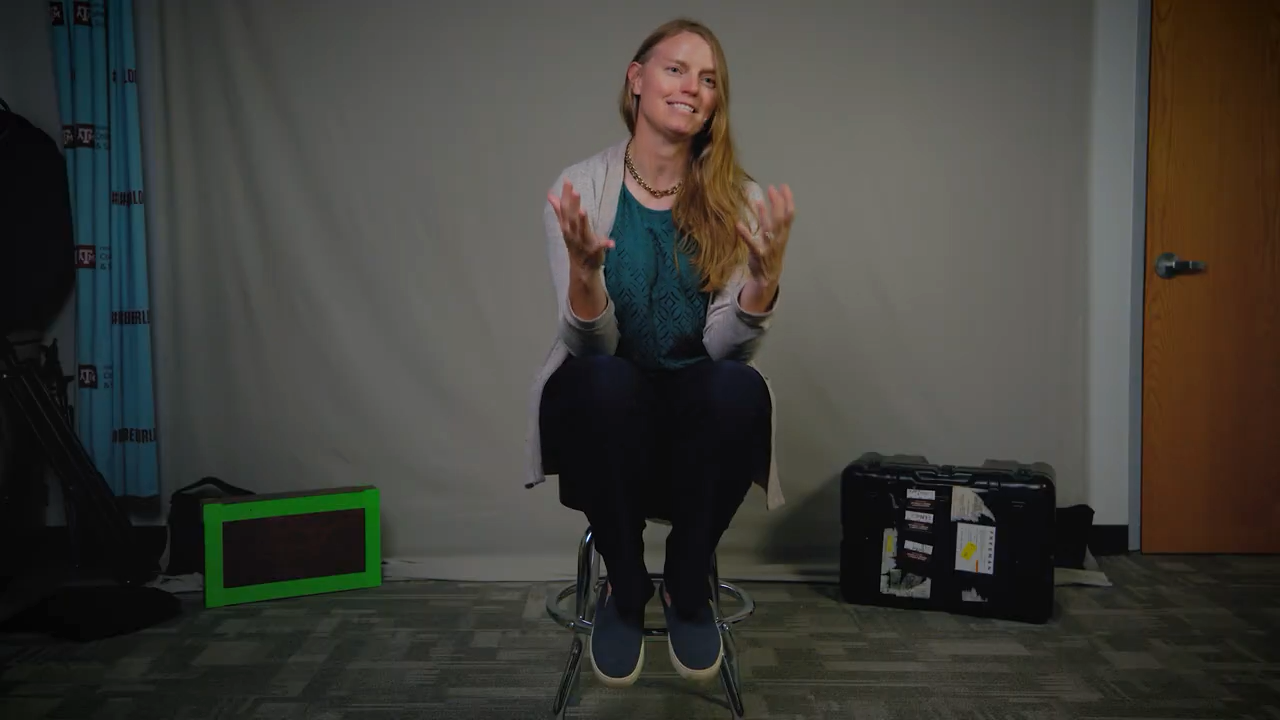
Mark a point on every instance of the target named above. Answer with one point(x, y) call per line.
point(730, 332)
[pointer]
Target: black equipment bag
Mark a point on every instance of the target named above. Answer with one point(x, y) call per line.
point(186, 523)
point(37, 245)
point(966, 540)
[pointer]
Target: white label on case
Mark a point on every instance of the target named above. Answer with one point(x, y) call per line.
point(915, 494)
point(918, 547)
point(918, 516)
point(975, 548)
point(968, 505)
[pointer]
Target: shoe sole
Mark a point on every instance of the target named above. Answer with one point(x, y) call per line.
point(614, 682)
point(686, 672)
point(696, 675)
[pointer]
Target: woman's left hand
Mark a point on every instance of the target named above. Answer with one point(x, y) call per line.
point(767, 250)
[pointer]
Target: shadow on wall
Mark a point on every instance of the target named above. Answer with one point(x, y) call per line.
point(806, 539)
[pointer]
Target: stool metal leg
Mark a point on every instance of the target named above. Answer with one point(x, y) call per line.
point(730, 677)
point(588, 574)
point(584, 600)
point(569, 680)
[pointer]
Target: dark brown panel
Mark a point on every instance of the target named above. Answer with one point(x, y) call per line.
point(292, 547)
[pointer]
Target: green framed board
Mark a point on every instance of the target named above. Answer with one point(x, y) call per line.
point(265, 547)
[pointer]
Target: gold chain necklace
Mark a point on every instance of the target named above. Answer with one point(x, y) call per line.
point(635, 175)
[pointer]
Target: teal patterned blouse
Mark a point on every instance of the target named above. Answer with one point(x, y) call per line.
point(657, 296)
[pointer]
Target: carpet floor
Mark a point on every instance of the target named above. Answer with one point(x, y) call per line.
point(1176, 637)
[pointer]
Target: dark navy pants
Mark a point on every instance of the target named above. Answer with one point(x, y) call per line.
point(686, 442)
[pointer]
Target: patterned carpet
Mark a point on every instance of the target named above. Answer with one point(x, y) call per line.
point(1175, 638)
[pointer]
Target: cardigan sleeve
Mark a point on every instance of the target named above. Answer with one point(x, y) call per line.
point(732, 333)
point(582, 336)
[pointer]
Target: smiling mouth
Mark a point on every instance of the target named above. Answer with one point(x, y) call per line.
point(682, 106)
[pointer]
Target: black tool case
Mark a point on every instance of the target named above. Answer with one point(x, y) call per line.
point(966, 540)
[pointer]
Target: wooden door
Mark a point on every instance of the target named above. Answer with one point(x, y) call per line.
point(1211, 340)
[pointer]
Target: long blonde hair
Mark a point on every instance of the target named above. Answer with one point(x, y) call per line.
point(713, 197)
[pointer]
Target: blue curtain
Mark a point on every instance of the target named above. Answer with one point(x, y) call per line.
point(98, 100)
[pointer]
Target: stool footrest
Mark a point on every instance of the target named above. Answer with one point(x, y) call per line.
point(570, 619)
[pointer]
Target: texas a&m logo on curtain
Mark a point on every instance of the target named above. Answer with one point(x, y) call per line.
point(91, 257)
point(86, 257)
point(91, 378)
point(86, 135)
point(81, 13)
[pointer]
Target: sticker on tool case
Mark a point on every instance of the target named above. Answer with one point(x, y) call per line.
point(975, 548)
point(917, 547)
point(913, 516)
point(921, 500)
point(894, 580)
point(914, 556)
point(968, 506)
point(905, 585)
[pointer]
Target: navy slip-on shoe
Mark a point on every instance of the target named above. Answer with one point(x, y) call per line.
point(617, 644)
point(694, 642)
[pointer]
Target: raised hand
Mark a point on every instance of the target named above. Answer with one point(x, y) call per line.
point(766, 251)
point(586, 248)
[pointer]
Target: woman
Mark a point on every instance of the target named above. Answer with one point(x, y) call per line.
point(666, 262)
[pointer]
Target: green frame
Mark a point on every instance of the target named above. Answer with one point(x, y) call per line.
point(219, 511)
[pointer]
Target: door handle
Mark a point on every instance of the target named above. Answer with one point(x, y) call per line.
point(1169, 266)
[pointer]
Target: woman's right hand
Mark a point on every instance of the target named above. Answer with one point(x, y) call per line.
point(586, 248)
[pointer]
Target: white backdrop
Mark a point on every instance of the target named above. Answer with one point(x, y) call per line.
point(350, 282)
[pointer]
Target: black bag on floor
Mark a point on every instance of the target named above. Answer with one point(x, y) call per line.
point(186, 523)
point(967, 540)
point(96, 612)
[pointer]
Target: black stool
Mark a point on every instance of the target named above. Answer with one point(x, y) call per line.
point(585, 592)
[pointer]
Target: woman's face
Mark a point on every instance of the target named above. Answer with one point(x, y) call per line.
point(676, 85)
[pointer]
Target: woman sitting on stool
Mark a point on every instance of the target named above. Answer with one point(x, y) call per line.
point(666, 259)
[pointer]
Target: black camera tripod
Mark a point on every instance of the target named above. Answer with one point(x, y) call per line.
point(98, 524)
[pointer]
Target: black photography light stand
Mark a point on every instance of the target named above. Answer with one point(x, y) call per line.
point(37, 276)
point(96, 586)
point(98, 524)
